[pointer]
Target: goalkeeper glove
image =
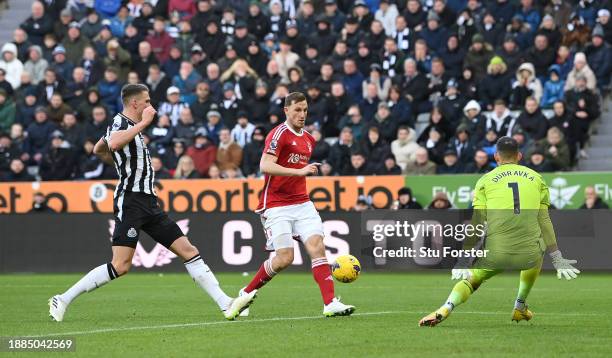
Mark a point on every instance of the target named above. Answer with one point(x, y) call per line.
point(564, 266)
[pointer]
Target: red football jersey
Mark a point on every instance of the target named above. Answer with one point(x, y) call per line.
point(293, 151)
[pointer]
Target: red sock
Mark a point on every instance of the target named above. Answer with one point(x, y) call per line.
point(322, 274)
point(263, 275)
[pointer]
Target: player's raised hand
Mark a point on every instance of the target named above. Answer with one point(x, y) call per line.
point(310, 169)
point(564, 266)
point(147, 116)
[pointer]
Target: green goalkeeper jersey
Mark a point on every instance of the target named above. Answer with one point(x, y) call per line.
point(511, 196)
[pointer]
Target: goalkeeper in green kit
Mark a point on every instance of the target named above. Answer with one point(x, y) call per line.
point(513, 201)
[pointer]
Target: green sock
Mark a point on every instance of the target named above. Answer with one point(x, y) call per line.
point(527, 280)
point(460, 293)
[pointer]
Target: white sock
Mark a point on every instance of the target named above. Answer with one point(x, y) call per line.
point(449, 306)
point(203, 276)
point(95, 278)
point(519, 304)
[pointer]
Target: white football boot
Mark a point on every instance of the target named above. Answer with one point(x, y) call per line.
point(245, 312)
point(337, 308)
point(57, 308)
point(239, 304)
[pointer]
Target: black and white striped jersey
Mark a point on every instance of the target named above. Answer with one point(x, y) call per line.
point(132, 162)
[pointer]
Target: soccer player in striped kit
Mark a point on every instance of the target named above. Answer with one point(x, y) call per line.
point(136, 207)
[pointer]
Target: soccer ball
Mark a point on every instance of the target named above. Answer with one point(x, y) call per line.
point(346, 268)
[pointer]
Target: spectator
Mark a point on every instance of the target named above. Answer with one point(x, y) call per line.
point(538, 162)
point(213, 125)
point(386, 14)
point(57, 109)
point(389, 166)
point(369, 104)
point(186, 81)
point(440, 201)
point(243, 131)
point(39, 205)
point(462, 145)
point(565, 60)
point(555, 149)
point(392, 58)
point(405, 146)
point(7, 111)
point(581, 69)
point(434, 33)
point(603, 18)
point(203, 152)
point(117, 58)
point(162, 133)
point(340, 152)
point(109, 89)
point(374, 148)
point(74, 43)
point(415, 16)
point(452, 56)
point(171, 157)
point(352, 78)
point(598, 54)
point(452, 103)
point(468, 85)
point(8, 152)
point(510, 53)
point(405, 200)
point(385, 122)
point(11, 65)
point(474, 120)
point(185, 169)
point(562, 120)
point(582, 105)
point(285, 58)
point(383, 83)
point(96, 127)
point(58, 162)
point(500, 119)
point(480, 165)
point(160, 40)
point(186, 127)
point(525, 85)
point(421, 165)
point(38, 136)
point(592, 200)
point(173, 106)
point(318, 106)
point(229, 154)
point(532, 120)
point(320, 152)
point(496, 84)
point(478, 56)
point(363, 203)
point(353, 121)
point(252, 153)
point(36, 64)
point(358, 165)
point(74, 134)
point(4, 84)
point(553, 88)
point(89, 166)
point(491, 30)
point(414, 86)
point(549, 29)
point(159, 170)
point(400, 107)
point(437, 121)
point(38, 24)
point(576, 33)
point(489, 142)
point(17, 172)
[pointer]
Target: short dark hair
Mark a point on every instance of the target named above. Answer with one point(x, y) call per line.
point(507, 147)
point(130, 90)
point(294, 97)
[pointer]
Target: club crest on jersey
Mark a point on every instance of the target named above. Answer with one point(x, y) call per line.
point(116, 125)
point(273, 146)
point(294, 143)
point(132, 232)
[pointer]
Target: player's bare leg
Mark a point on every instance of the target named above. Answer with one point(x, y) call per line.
point(98, 277)
point(528, 278)
point(322, 275)
point(203, 277)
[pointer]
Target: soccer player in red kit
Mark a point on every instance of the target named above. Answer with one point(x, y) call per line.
point(285, 208)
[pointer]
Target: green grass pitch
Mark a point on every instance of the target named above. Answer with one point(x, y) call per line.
point(153, 315)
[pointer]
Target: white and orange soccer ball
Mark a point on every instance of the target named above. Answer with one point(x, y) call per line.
point(346, 268)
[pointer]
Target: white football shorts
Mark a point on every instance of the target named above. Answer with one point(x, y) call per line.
point(283, 224)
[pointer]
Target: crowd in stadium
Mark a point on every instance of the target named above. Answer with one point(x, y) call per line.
point(372, 70)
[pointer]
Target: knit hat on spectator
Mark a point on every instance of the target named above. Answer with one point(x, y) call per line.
point(352, 20)
point(242, 114)
point(477, 38)
point(106, 24)
point(228, 86)
point(201, 132)
point(241, 24)
point(321, 18)
point(509, 37)
point(74, 25)
point(213, 114)
point(603, 13)
point(404, 191)
point(59, 49)
point(598, 31)
point(359, 3)
point(462, 128)
point(173, 90)
point(452, 83)
point(196, 48)
point(433, 16)
point(40, 109)
point(292, 24)
point(270, 37)
point(376, 67)
point(57, 134)
point(450, 152)
point(496, 60)
point(66, 13)
point(472, 105)
point(330, 2)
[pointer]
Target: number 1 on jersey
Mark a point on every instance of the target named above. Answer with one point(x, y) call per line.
point(515, 196)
